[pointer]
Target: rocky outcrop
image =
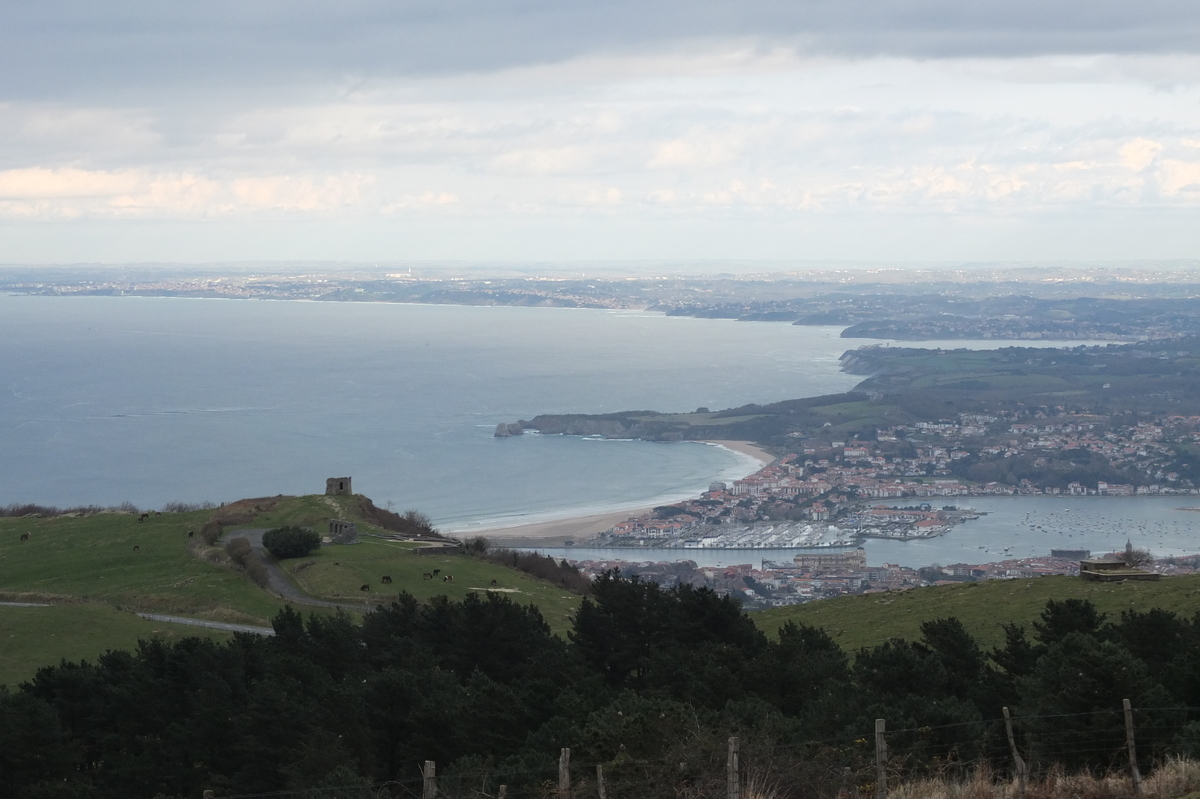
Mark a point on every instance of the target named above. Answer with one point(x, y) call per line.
point(605, 426)
point(506, 430)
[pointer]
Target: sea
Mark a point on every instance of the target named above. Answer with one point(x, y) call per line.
point(151, 400)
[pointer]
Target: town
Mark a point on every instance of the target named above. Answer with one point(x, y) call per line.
point(813, 576)
point(826, 494)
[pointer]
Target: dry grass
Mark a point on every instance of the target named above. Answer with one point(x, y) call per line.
point(1175, 779)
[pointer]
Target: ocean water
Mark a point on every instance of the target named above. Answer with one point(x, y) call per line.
point(1012, 527)
point(150, 400)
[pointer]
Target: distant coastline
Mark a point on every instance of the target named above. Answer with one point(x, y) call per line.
point(556, 532)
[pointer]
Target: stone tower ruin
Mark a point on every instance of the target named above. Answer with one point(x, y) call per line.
point(336, 486)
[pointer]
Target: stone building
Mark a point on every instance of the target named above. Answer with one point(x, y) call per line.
point(341, 532)
point(335, 486)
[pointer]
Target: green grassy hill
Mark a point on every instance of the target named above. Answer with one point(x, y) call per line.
point(98, 570)
point(34, 637)
point(870, 619)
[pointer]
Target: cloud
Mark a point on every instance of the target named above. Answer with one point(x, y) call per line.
point(1139, 153)
point(73, 193)
point(129, 47)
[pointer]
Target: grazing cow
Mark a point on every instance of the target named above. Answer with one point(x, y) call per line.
point(143, 517)
point(24, 536)
point(449, 578)
point(136, 548)
point(426, 576)
point(437, 571)
point(191, 533)
point(386, 580)
point(494, 582)
point(365, 587)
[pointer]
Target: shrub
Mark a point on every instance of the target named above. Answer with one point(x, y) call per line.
point(543, 567)
point(211, 533)
point(290, 542)
point(242, 553)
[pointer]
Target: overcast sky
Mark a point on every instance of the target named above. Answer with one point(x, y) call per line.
point(509, 130)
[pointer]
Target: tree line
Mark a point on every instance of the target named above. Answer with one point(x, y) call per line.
point(649, 678)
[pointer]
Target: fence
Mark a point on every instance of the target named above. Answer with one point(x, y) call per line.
point(1010, 748)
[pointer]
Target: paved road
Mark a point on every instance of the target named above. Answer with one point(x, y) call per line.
point(277, 580)
point(216, 625)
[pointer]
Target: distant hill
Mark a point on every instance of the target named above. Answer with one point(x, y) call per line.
point(96, 570)
point(865, 620)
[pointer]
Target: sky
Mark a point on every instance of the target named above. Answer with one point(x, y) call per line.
point(530, 130)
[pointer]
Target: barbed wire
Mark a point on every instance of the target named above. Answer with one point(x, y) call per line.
point(1046, 743)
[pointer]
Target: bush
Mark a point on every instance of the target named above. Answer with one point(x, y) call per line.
point(290, 542)
point(211, 533)
point(242, 553)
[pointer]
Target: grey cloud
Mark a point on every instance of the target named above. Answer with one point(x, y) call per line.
point(71, 49)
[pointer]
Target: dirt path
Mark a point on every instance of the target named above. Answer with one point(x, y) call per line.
point(215, 625)
point(277, 581)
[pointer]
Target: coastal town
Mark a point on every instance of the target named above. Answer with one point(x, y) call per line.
point(900, 484)
point(813, 576)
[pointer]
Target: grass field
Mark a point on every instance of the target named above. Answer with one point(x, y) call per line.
point(340, 572)
point(870, 619)
point(31, 638)
point(93, 558)
point(89, 568)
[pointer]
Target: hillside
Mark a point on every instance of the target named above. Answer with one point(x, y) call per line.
point(97, 570)
point(866, 620)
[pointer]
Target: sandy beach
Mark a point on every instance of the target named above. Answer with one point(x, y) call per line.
point(557, 532)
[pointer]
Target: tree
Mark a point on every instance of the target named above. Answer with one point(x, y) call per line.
point(290, 542)
point(1061, 618)
point(1072, 703)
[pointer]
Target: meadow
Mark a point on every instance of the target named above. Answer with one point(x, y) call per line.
point(866, 620)
point(97, 571)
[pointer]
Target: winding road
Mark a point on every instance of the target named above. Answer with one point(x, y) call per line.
point(277, 581)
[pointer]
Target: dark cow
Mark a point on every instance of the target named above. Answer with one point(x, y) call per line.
point(494, 582)
point(437, 571)
point(386, 580)
point(365, 587)
point(24, 536)
point(426, 576)
point(191, 533)
point(136, 548)
point(143, 517)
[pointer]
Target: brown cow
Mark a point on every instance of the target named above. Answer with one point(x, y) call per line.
point(449, 578)
point(426, 576)
point(386, 580)
point(494, 582)
point(365, 587)
point(136, 548)
point(24, 536)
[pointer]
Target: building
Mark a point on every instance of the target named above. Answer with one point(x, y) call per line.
point(337, 486)
point(341, 532)
point(855, 561)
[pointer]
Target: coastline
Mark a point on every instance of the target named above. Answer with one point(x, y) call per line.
point(556, 532)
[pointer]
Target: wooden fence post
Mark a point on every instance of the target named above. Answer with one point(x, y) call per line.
point(208, 794)
point(503, 792)
point(600, 782)
point(429, 786)
point(732, 785)
point(1018, 763)
point(1133, 767)
point(564, 774)
point(880, 759)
